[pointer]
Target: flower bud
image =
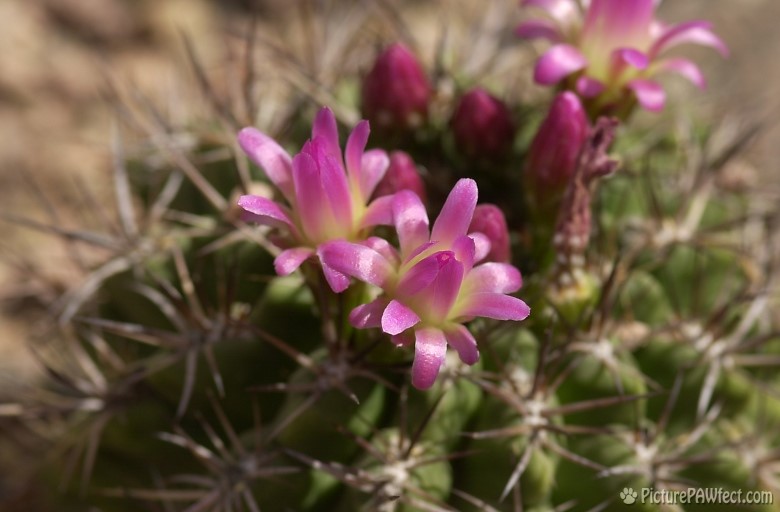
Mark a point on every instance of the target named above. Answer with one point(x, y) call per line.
point(552, 157)
point(489, 220)
point(396, 92)
point(482, 126)
point(402, 174)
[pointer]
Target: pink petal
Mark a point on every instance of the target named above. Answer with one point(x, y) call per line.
point(696, 32)
point(368, 315)
point(685, 68)
point(494, 305)
point(557, 63)
point(356, 260)
point(560, 10)
point(325, 127)
point(311, 203)
point(421, 275)
point(411, 221)
point(271, 157)
point(650, 94)
point(624, 58)
point(289, 260)
point(338, 282)
point(373, 167)
point(335, 186)
point(353, 153)
point(430, 348)
point(589, 87)
point(464, 343)
point(383, 247)
point(397, 318)
point(493, 277)
point(265, 211)
point(465, 250)
point(378, 213)
point(539, 29)
point(455, 216)
point(611, 24)
point(443, 292)
point(482, 246)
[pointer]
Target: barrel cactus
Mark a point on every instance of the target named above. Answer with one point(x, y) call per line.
point(284, 317)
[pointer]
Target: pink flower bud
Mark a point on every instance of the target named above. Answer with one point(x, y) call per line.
point(489, 220)
point(552, 157)
point(482, 125)
point(396, 91)
point(401, 175)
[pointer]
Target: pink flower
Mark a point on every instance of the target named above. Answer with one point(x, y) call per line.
point(396, 92)
point(482, 126)
point(609, 51)
point(431, 286)
point(401, 175)
point(327, 196)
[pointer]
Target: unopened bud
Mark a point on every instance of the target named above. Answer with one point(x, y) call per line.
point(489, 220)
point(482, 126)
point(396, 92)
point(402, 174)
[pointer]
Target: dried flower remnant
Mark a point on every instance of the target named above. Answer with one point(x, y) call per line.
point(610, 51)
point(327, 196)
point(431, 286)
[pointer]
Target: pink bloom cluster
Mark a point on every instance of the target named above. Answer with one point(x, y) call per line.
point(609, 51)
point(431, 284)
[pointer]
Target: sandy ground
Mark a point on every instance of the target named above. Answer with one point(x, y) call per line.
point(54, 122)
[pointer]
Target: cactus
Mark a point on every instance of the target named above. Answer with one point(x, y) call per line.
point(284, 331)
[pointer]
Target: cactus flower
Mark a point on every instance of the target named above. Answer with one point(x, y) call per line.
point(482, 125)
point(610, 51)
point(402, 174)
point(396, 92)
point(327, 196)
point(552, 156)
point(431, 286)
point(490, 221)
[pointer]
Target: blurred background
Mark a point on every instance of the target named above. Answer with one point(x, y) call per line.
point(57, 58)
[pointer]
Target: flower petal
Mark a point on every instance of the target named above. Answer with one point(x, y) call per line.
point(560, 10)
point(338, 282)
point(430, 348)
point(610, 24)
point(353, 153)
point(335, 186)
point(696, 32)
point(494, 305)
point(289, 260)
point(650, 94)
point(356, 260)
point(589, 87)
point(373, 167)
point(443, 292)
point(325, 127)
point(482, 246)
point(421, 275)
point(378, 213)
point(683, 67)
point(384, 248)
point(464, 343)
point(271, 157)
point(265, 211)
point(404, 339)
point(465, 249)
point(557, 63)
point(397, 318)
point(455, 216)
point(625, 58)
point(311, 203)
point(493, 277)
point(411, 221)
point(368, 315)
point(539, 29)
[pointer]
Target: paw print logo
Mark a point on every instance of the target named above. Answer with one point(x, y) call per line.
point(628, 495)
